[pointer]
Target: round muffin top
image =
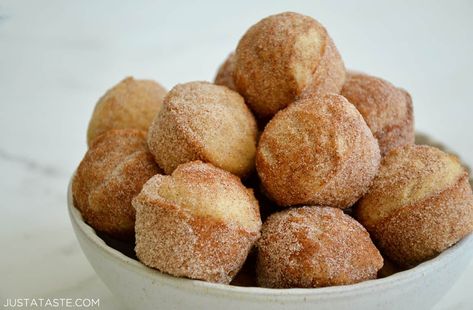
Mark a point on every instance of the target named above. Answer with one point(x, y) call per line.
point(386, 109)
point(129, 104)
point(275, 60)
point(215, 122)
point(406, 176)
point(307, 146)
point(315, 247)
point(206, 191)
point(112, 172)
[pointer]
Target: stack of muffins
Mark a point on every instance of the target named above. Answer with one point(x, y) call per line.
point(330, 155)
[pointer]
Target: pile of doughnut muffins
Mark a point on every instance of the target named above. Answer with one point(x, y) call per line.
point(287, 157)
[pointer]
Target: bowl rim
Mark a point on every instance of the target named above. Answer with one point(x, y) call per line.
point(367, 287)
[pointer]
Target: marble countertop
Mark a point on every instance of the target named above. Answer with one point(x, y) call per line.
point(58, 57)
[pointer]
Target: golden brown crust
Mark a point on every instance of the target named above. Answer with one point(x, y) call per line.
point(420, 204)
point(129, 104)
point(330, 74)
point(386, 109)
point(203, 121)
point(421, 231)
point(200, 207)
point(224, 75)
point(318, 151)
point(112, 172)
point(282, 56)
point(407, 175)
point(315, 247)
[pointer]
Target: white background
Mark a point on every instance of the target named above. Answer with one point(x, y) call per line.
point(58, 57)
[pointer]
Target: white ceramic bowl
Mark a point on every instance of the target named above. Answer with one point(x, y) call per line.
point(140, 287)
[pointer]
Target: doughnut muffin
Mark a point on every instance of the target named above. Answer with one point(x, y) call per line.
point(315, 247)
point(386, 109)
point(419, 204)
point(317, 151)
point(129, 104)
point(203, 121)
point(224, 75)
point(112, 172)
point(283, 57)
point(199, 223)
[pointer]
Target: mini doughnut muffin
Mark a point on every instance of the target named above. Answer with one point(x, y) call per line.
point(199, 223)
point(225, 73)
point(315, 247)
point(419, 204)
point(386, 109)
point(129, 104)
point(282, 57)
point(317, 151)
point(203, 121)
point(112, 172)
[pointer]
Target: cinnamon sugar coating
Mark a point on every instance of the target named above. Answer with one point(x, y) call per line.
point(329, 76)
point(203, 121)
point(386, 109)
point(318, 151)
point(419, 204)
point(112, 172)
point(283, 57)
point(129, 104)
point(224, 75)
point(199, 223)
point(315, 247)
